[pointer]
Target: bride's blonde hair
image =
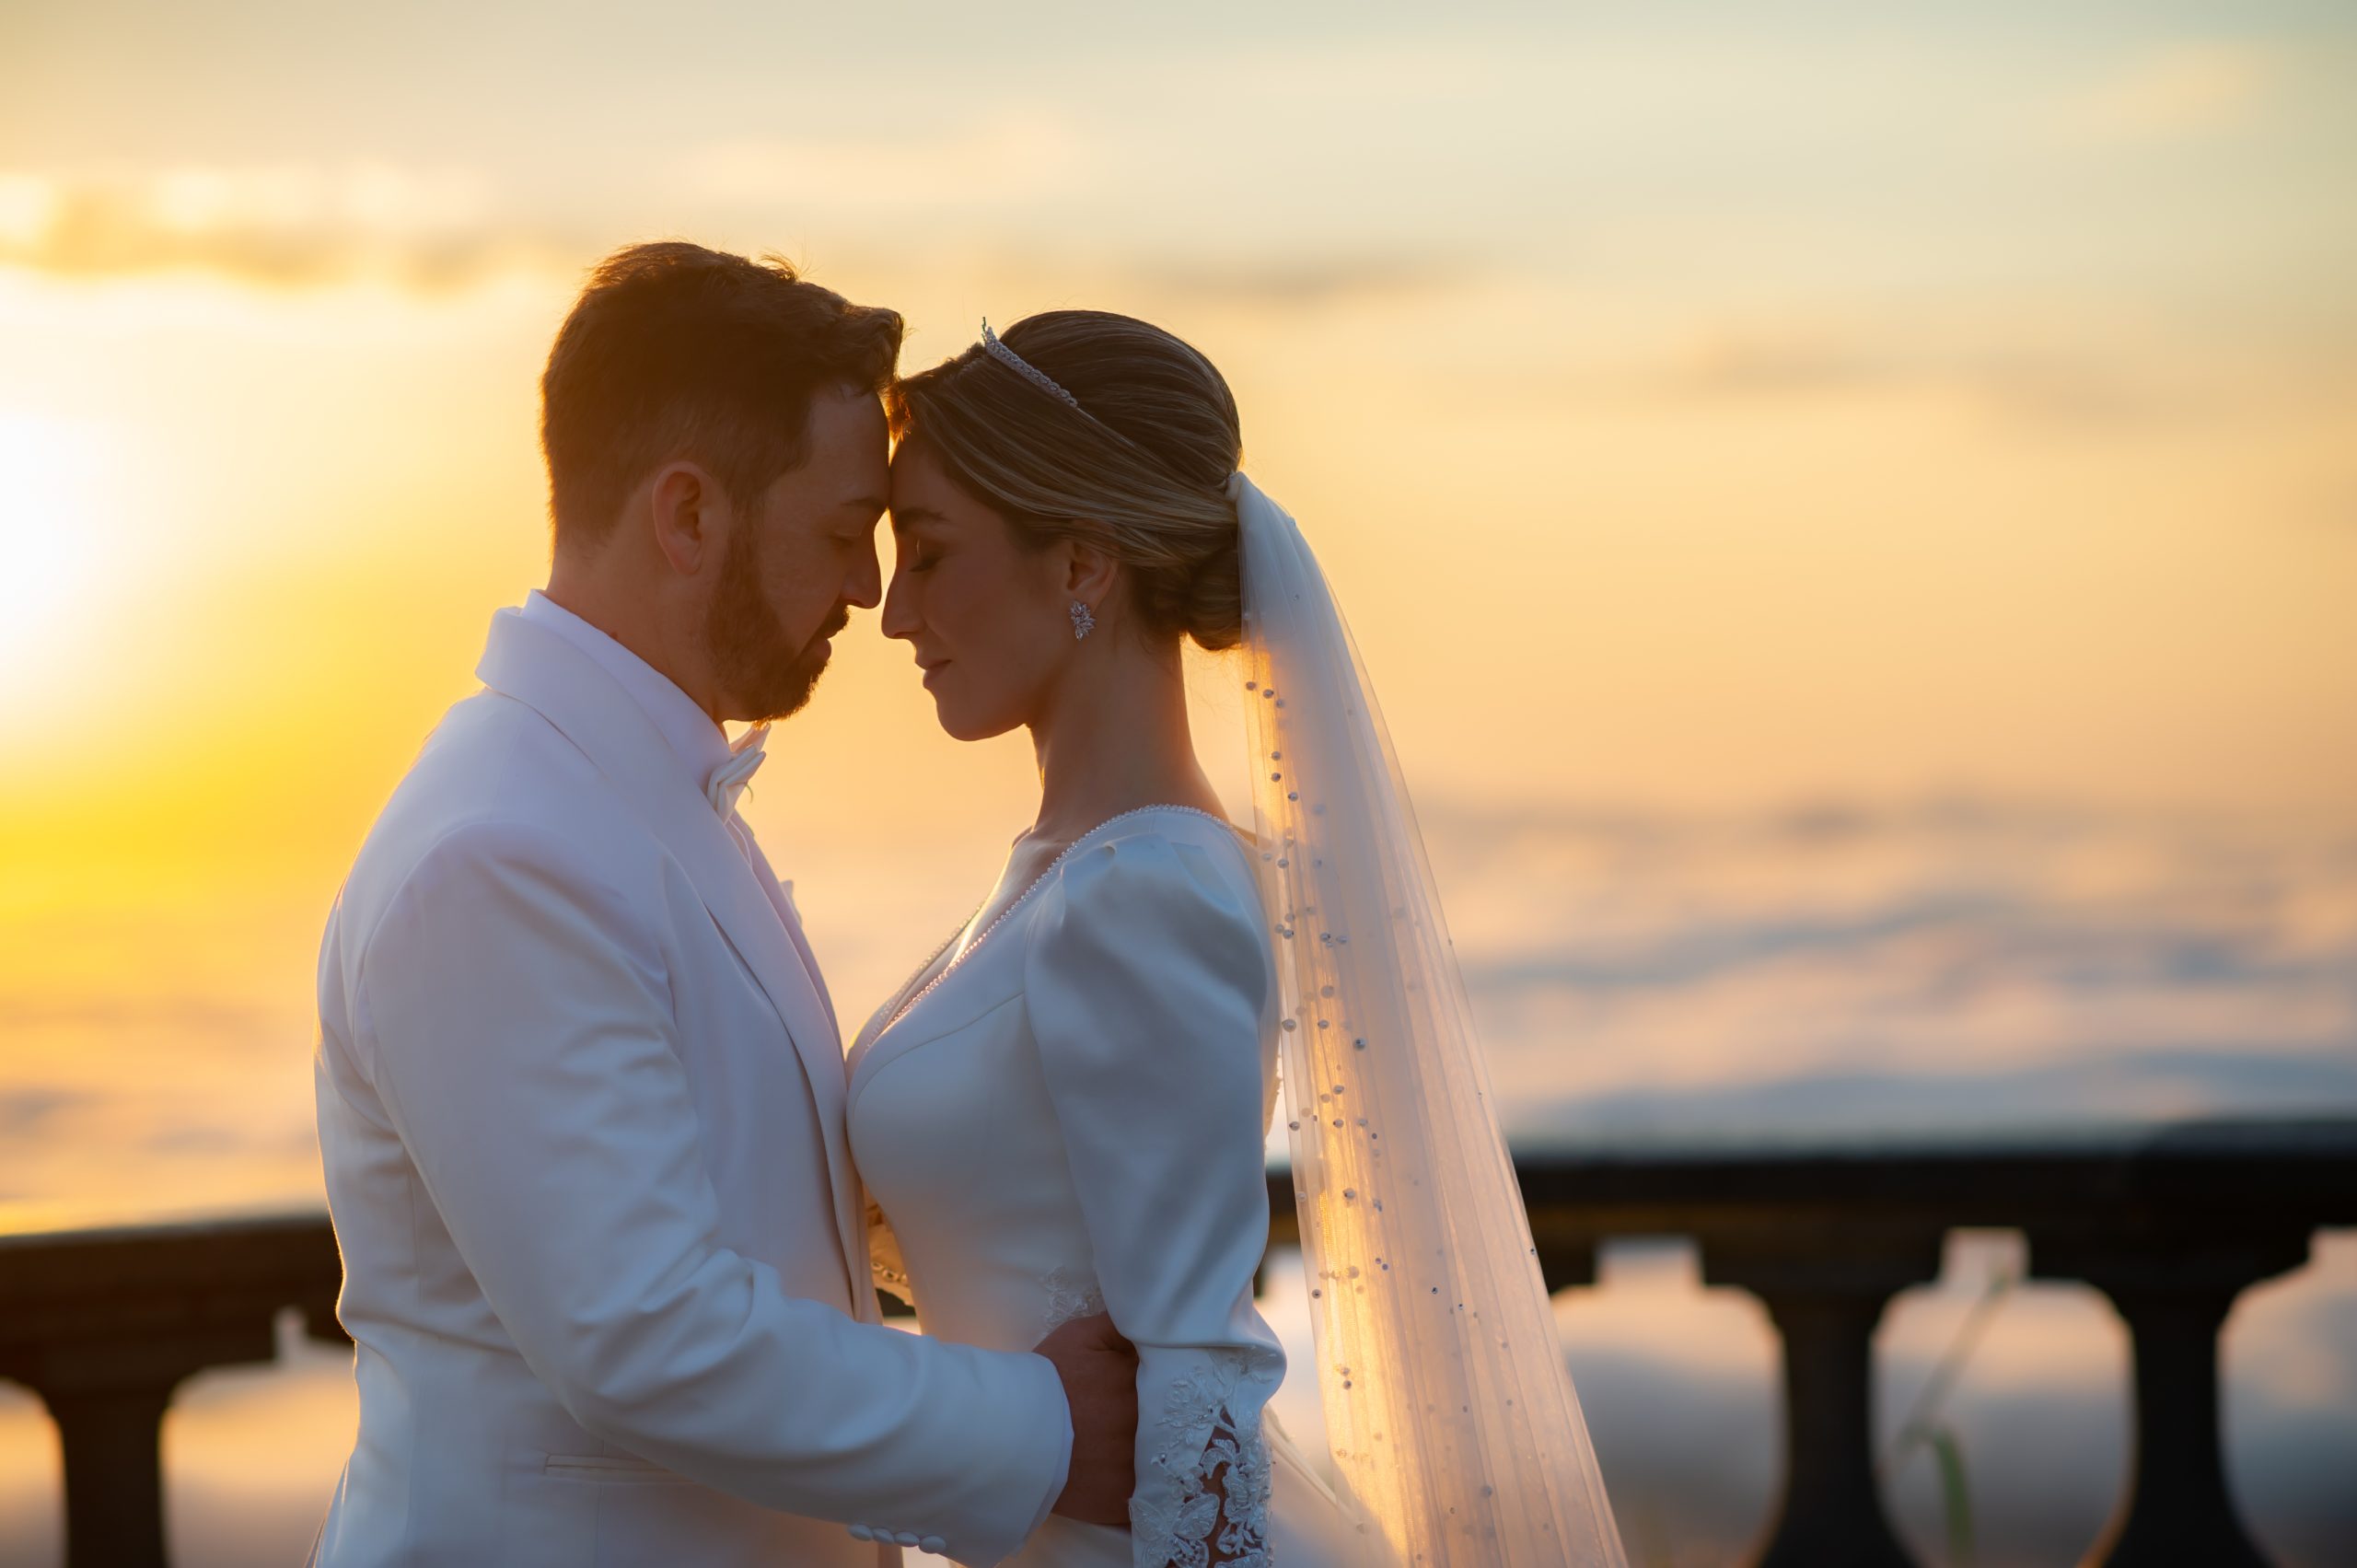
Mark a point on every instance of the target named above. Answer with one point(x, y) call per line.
point(1136, 463)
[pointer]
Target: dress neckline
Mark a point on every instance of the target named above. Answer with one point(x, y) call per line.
point(907, 1000)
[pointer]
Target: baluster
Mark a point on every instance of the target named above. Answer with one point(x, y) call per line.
point(107, 1397)
point(1826, 1289)
point(112, 1441)
point(2173, 1293)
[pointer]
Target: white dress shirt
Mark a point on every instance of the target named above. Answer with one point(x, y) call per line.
point(703, 748)
point(701, 744)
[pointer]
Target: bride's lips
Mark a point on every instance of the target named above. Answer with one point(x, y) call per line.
point(936, 668)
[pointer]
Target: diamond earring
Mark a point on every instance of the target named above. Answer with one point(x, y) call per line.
point(1083, 623)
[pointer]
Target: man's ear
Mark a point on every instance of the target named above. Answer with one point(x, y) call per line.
point(691, 520)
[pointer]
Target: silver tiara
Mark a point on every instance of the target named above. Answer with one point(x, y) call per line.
point(1047, 383)
point(1015, 362)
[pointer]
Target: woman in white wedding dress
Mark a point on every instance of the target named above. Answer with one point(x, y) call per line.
point(1065, 1110)
point(1067, 1118)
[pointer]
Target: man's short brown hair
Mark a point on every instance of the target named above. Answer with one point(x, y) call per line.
point(673, 351)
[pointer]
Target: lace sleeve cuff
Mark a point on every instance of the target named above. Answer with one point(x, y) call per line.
point(1202, 1494)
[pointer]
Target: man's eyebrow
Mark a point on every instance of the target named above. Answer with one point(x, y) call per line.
point(865, 503)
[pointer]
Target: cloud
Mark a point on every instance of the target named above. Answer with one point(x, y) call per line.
point(2019, 373)
point(24, 1110)
point(2334, 505)
point(2177, 91)
point(1297, 282)
point(2098, 1087)
point(1008, 158)
point(1958, 966)
point(281, 224)
point(1687, 1451)
point(1739, 363)
point(298, 223)
point(1705, 949)
point(1978, 939)
point(216, 1021)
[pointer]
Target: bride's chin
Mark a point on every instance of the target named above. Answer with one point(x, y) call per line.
point(966, 726)
point(956, 731)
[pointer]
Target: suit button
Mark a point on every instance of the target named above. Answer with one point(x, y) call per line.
point(861, 1532)
point(907, 1537)
point(934, 1544)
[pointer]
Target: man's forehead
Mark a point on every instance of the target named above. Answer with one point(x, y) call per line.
point(844, 465)
point(866, 446)
point(837, 414)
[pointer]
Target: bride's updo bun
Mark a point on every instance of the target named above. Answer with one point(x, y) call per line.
point(1136, 463)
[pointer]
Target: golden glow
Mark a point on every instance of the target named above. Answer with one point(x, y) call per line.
point(1838, 513)
point(1692, 421)
point(52, 504)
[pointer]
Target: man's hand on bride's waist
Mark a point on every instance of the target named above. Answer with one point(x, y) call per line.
point(1099, 1369)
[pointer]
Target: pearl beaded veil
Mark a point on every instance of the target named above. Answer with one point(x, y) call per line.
point(1448, 1406)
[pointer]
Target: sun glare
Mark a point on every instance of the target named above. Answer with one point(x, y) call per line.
point(54, 501)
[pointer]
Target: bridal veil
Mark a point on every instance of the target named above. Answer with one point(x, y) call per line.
point(1448, 1406)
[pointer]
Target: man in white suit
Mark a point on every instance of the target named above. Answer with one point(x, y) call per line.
point(580, 1088)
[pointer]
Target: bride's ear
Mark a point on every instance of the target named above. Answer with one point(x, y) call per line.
point(1090, 574)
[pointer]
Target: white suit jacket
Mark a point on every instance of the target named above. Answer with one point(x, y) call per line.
point(580, 1105)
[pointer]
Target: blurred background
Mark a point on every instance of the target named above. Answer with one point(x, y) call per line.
point(1851, 511)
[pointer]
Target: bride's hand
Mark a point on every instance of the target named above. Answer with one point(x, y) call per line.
point(1099, 1369)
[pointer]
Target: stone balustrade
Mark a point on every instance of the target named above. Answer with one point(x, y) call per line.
point(2171, 1223)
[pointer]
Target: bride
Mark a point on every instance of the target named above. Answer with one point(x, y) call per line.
point(1064, 1110)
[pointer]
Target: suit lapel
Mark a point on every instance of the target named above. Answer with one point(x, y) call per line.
point(781, 894)
point(540, 669)
point(851, 1219)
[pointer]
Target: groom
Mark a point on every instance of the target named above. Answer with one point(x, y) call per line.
point(580, 1088)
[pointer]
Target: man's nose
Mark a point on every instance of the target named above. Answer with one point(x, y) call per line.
point(866, 588)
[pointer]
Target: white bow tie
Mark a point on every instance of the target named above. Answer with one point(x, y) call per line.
point(728, 779)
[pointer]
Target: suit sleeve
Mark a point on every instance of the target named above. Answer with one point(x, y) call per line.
point(522, 1042)
point(1147, 979)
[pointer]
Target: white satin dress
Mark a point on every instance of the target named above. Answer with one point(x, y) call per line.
point(1064, 1113)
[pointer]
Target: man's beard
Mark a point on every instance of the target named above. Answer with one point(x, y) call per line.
point(758, 664)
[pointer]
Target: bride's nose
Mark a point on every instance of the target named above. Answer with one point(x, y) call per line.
point(898, 619)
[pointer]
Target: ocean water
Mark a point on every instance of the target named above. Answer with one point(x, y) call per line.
point(1942, 970)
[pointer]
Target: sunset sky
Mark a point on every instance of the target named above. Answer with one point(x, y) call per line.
point(1795, 408)
point(1851, 511)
